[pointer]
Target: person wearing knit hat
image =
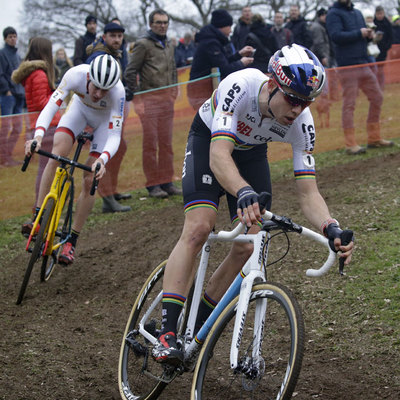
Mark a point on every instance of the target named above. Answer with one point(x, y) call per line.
point(213, 51)
point(90, 18)
point(221, 18)
point(83, 41)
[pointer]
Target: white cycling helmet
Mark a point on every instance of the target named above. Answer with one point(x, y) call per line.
point(297, 67)
point(104, 72)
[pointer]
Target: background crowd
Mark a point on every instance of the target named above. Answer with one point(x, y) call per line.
point(339, 36)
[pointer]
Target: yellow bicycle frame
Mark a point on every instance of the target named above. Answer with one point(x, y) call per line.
point(58, 191)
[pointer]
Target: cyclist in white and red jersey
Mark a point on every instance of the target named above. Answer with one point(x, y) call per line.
point(98, 101)
point(226, 152)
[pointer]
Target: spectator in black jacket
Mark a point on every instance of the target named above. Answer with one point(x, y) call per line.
point(383, 25)
point(184, 52)
point(299, 28)
point(283, 36)
point(349, 34)
point(83, 41)
point(12, 97)
point(242, 28)
point(261, 38)
point(321, 44)
point(212, 52)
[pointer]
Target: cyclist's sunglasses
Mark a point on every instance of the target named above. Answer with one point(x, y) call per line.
point(292, 99)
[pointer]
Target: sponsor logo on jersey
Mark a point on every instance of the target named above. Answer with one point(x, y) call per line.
point(243, 128)
point(206, 179)
point(262, 139)
point(250, 118)
point(278, 130)
point(206, 107)
point(103, 103)
point(309, 136)
point(187, 153)
point(230, 96)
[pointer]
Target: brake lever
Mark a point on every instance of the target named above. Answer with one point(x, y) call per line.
point(95, 182)
point(27, 159)
point(346, 238)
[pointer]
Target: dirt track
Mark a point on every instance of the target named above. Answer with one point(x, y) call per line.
point(63, 342)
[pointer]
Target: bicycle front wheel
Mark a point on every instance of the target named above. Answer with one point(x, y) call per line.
point(37, 248)
point(139, 376)
point(268, 368)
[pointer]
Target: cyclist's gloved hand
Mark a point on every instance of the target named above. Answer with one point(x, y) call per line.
point(128, 94)
point(246, 197)
point(248, 214)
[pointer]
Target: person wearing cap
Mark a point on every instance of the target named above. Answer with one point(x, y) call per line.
point(111, 43)
point(83, 41)
point(212, 52)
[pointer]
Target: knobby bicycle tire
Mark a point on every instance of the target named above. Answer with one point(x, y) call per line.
point(37, 248)
point(62, 231)
point(270, 374)
point(139, 376)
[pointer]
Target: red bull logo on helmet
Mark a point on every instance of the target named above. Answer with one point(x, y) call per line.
point(276, 66)
point(313, 81)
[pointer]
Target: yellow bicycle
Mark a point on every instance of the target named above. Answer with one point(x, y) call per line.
point(52, 226)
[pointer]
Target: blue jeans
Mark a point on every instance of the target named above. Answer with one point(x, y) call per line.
point(11, 125)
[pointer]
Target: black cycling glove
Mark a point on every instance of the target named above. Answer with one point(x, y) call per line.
point(246, 197)
point(332, 231)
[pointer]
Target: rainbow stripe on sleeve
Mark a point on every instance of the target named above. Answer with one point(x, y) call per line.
point(226, 135)
point(304, 174)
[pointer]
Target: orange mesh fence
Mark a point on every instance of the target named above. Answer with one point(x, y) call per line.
point(150, 110)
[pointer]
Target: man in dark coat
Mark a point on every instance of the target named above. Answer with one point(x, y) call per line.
point(299, 28)
point(242, 28)
point(261, 38)
point(349, 34)
point(83, 41)
point(12, 97)
point(212, 52)
point(384, 29)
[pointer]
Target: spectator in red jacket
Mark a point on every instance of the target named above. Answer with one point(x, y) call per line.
point(37, 74)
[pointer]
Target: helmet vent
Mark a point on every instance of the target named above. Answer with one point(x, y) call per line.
point(303, 76)
point(286, 70)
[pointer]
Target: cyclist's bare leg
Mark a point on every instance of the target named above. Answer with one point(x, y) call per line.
point(62, 145)
point(85, 201)
point(180, 268)
point(229, 268)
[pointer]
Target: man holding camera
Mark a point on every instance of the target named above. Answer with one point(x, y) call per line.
point(350, 36)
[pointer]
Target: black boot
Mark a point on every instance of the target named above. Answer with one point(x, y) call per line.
point(110, 205)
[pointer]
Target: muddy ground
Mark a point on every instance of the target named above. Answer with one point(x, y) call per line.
point(63, 342)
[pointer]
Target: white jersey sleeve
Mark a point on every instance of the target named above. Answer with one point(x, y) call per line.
point(117, 95)
point(55, 101)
